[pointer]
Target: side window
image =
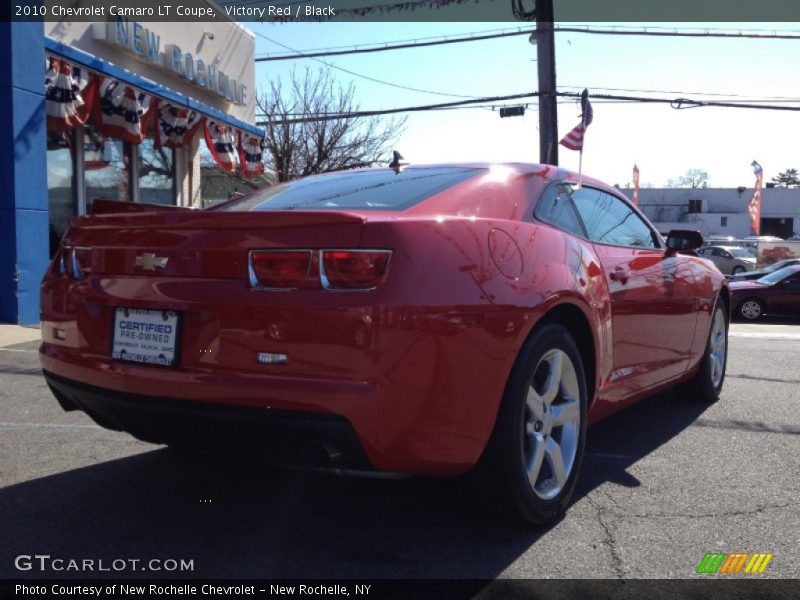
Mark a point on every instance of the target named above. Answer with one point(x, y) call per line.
point(555, 208)
point(609, 220)
point(793, 282)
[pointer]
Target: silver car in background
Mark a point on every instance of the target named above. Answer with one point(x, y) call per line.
point(730, 260)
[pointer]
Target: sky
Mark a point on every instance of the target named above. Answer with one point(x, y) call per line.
point(662, 141)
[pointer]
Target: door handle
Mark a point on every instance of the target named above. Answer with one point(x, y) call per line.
point(619, 274)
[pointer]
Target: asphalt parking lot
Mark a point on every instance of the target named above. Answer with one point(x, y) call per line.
point(662, 484)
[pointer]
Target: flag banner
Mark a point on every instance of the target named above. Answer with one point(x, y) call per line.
point(175, 125)
point(635, 197)
point(754, 208)
point(221, 140)
point(122, 112)
point(251, 154)
point(574, 139)
point(69, 94)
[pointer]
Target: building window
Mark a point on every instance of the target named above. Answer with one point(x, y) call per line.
point(156, 168)
point(60, 184)
point(723, 221)
point(218, 186)
point(106, 167)
point(695, 206)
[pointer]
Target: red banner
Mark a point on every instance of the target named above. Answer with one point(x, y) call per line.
point(754, 209)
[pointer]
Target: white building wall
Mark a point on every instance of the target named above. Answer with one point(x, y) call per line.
point(668, 208)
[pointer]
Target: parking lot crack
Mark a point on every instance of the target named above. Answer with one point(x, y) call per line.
point(609, 539)
point(730, 513)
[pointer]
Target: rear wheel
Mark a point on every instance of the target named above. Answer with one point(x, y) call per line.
point(738, 269)
point(535, 453)
point(751, 309)
point(707, 383)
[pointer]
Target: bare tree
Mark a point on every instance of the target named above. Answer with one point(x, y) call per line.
point(298, 147)
point(693, 178)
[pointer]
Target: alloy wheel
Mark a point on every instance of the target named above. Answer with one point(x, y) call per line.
point(552, 424)
point(718, 347)
point(750, 309)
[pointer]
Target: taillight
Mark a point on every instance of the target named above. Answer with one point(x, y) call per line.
point(353, 269)
point(279, 268)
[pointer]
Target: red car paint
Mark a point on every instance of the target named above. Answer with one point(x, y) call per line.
point(418, 364)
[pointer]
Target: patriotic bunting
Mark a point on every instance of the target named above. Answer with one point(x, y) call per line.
point(754, 208)
point(251, 154)
point(69, 94)
point(119, 111)
point(122, 112)
point(221, 140)
point(175, 125)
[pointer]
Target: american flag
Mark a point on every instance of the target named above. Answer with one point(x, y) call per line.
point(635, 197)
point(574, 139)
point(755, 204)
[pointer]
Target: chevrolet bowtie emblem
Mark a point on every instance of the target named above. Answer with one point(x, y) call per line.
point(149, 262)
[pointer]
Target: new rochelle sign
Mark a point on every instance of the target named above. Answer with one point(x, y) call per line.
point(146, 45)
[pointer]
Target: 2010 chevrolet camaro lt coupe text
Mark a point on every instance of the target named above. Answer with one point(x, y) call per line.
point(423, 320)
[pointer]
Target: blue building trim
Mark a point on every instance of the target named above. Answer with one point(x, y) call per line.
point(109, 70)
point(24, 250)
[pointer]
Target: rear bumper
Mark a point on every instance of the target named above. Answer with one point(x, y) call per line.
point(285, 437)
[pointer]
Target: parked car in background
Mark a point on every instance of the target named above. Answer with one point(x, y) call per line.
point(752, 241)
point(729, 260)
point(423, 320)
point(777, 293)
point(752, 275)
point(720, 240)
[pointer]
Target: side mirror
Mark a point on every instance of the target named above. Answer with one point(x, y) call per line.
point(683, 240)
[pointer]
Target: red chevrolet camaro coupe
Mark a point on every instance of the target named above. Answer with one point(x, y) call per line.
point(423, 320)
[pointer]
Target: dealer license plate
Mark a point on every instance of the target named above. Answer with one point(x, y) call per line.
point(146, 336)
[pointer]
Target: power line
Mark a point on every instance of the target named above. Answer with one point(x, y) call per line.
point(408, 40)
point(367, 77)
point(650, 31)
point(389, 111)
point(611, 30)
point(393, 46)
point(677, 103)
point(715, 94)
point(681, 103)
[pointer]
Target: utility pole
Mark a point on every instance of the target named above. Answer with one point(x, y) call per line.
point(546, 57)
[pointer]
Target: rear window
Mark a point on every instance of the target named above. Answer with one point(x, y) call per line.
point(375, 190)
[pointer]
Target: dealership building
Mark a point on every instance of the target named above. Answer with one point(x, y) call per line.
point(721, 211)
point(119, 110)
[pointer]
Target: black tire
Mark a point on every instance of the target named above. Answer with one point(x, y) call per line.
point(503, 469)
point(738, 269)
point(750, 309)
point(705, 386)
